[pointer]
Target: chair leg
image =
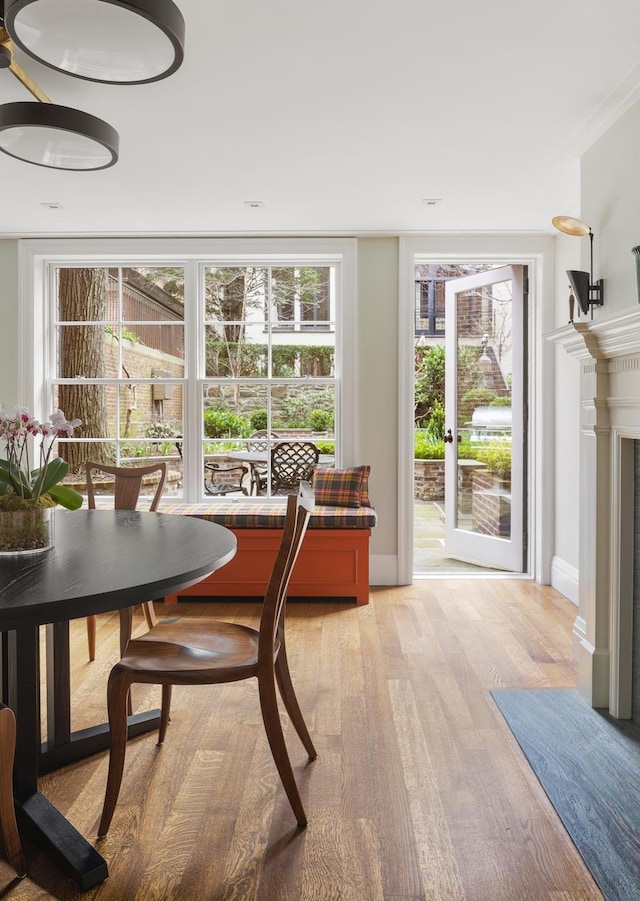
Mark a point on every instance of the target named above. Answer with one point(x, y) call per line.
point(150, 614)
point(273, 728)
point(290, 701)
point(126, 628)
point(165, 710)
point(91, 635)
point(117, 693)
point(8, 826)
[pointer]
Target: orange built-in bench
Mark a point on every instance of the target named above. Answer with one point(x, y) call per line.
point(333, 561)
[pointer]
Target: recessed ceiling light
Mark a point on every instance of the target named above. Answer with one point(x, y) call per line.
point(431, 201)
point(254, 204)
point(52, 205)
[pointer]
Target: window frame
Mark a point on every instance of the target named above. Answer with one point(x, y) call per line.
point(40, 258)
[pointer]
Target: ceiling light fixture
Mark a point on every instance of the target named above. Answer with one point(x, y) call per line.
point(100, 40)
point(49, 135)
point(587, 293)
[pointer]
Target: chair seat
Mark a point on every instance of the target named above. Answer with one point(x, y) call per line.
point(211, 653)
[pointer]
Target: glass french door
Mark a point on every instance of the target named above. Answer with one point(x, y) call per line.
point(485, 427)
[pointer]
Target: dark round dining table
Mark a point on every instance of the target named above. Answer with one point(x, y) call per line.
point(103, 560)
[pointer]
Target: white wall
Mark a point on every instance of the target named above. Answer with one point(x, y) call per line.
point(9, 358)
point(610, 189)
point(378, 394)
point(564, 566)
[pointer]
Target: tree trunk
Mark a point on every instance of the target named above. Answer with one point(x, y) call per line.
point(83, 298)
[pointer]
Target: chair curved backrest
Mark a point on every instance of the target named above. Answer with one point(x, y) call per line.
point(262, 444)
point(127, 484)
point(292, 462)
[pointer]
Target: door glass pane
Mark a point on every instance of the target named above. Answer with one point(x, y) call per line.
point(484, 361)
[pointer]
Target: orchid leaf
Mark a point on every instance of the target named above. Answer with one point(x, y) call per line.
point(66, 497)
point(51, 475)
point(13, 476)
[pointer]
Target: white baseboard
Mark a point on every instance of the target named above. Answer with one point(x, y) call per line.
point(565, 579)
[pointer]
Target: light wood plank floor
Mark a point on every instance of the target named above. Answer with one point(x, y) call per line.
point(419, 790)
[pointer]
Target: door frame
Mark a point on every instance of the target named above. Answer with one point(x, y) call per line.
point(537, 252)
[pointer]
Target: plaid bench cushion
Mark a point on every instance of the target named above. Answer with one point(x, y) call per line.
point(243, 514)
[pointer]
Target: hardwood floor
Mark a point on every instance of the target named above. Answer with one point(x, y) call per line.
point(419, 791)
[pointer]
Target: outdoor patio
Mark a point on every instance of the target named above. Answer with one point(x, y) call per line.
point(429, 557)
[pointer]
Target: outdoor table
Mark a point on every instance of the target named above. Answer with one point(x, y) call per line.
point(103, 560)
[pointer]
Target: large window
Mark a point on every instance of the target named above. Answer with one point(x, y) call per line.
point(208, 364)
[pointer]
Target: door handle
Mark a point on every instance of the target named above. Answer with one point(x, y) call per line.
point(448, 437)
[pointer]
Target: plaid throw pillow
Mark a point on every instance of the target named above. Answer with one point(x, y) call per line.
point(341, 487)
point(364, 488)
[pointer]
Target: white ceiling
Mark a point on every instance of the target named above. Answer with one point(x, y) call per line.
point(341, 117)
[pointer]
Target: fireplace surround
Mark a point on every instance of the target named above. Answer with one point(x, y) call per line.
point(608, 351)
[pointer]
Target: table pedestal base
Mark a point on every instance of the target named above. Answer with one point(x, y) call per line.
point(55, 835)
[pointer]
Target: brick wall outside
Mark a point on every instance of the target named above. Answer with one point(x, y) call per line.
point(491, 504)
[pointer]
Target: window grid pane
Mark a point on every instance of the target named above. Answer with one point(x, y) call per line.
point(121, 364)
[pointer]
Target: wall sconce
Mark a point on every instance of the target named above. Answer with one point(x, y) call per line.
point(587, 293)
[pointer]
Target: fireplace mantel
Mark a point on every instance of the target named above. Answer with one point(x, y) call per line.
point(616, 335)
point(608, 350)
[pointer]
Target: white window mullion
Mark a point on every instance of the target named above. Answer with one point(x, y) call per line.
point(194, 356)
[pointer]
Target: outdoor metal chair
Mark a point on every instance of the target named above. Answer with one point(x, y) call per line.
point(260, 469)
point(221, 479)
point(292, 462)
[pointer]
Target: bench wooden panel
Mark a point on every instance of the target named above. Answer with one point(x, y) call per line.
point(332, 563)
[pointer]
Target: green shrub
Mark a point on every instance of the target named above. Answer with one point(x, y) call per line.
point(320, 420)
point(258, 420)
point(435, 423)
point(162, 429)
point(325, 447)
point(497, 458)
point(427, 447)
point(297, 407)
point(224, 424)
point(501, 401)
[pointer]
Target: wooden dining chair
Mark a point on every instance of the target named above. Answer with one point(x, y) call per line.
point(8, 826)
point(189, 653)
point(127, 481)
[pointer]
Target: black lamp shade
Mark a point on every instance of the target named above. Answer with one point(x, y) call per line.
point(579, 282)
point(57, 137)
point(100, 40)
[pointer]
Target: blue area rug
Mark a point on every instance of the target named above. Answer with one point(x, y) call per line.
point(589, 766)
